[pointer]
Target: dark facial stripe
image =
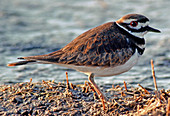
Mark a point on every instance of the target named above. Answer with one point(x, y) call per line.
point(142, 29)
point(126, 25)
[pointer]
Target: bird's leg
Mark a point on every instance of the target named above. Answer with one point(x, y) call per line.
point(100, 94)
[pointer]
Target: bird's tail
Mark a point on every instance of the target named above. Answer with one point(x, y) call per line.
point(45, 59)
point(21, 63)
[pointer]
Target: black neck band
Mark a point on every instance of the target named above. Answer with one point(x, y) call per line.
point(136, 40)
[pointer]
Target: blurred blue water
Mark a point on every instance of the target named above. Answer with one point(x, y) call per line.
point(29, 27)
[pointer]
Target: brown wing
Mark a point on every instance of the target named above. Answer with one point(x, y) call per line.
point(100, 46)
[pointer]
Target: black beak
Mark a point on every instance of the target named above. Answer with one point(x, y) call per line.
point(152, 29)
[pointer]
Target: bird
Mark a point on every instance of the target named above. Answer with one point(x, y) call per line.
point(106, 50)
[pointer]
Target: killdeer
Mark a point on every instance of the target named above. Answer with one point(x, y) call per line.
point(106, 50)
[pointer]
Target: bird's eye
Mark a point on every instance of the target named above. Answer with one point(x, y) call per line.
point(134, 23)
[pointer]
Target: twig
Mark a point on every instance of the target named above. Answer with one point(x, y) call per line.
point(85, 84)
point(118, 103)
point(123, 94)
point(50, 87)
point(140, 97)
point(144, 89)
point(125, 86)
point(86, 89)
point(71, 85)
point(153, 74)
point(113, 86)
point(68, 87)
point(30, 80)
point(168, 108)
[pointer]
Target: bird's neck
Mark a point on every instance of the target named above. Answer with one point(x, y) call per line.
point(137, 41)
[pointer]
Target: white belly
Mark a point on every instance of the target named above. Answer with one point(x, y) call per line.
point(107, 71)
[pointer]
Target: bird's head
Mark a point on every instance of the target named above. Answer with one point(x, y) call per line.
point(136, 24)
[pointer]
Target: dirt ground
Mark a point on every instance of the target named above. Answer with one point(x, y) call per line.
point(50, 98)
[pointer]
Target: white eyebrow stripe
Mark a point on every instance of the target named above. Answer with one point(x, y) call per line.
point(129, 20)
